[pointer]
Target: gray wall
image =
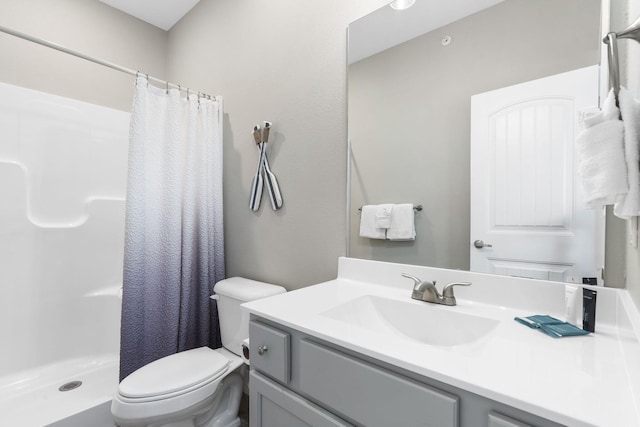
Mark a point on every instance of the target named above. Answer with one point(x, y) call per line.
point(89, 27)
point(283, 61)
point(409, 114)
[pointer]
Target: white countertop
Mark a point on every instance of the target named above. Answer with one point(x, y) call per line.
point(591, 380)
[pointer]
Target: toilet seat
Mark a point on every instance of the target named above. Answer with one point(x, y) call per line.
point(173, 375)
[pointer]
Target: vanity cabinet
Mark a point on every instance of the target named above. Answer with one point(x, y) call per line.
point(274, 405)
point(299, 380)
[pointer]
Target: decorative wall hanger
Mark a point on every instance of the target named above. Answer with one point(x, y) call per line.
point(264, 176)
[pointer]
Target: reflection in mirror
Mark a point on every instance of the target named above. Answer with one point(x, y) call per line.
point(410, 133)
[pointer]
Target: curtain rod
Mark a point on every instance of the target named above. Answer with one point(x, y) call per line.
point(111, 65)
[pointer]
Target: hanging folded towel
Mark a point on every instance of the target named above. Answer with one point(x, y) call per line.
point(601, 160)
point(383, 215)
point(402, 223)
point(629, 204)
point(368, 223)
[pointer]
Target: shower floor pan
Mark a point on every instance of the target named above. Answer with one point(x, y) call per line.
point(34, 398)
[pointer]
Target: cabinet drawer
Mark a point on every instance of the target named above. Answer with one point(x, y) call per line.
point(499, 420)
point(273, 405)
point(370, 395)
point(270, 351)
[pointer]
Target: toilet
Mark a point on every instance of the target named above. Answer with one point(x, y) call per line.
point(200, 387)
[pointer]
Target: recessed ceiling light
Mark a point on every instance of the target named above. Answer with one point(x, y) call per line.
point(401, 4)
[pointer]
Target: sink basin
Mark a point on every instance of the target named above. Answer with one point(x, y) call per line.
point(425, 323)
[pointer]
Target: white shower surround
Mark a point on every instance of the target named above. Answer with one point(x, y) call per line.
point(62, 185)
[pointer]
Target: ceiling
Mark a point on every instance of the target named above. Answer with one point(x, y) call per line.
point(161, 13)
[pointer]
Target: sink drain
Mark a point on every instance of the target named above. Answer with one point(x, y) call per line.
point(70, 386)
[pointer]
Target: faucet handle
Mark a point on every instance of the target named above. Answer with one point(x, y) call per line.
point(416, 280)
point(447, 291)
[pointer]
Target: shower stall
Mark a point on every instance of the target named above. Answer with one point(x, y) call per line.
point(62, 199)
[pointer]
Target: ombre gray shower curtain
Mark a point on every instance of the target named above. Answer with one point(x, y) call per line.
point(174, 238)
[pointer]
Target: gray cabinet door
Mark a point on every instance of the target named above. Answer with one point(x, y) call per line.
point(369, 395)
point(270, 351)
point(272, 405)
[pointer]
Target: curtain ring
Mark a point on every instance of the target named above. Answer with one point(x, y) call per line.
point(147, 80)
point(167, 86)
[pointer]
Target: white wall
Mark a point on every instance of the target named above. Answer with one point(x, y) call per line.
point(63, 168)
point(283, 61)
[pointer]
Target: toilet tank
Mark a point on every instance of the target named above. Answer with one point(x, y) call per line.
point(234, 322)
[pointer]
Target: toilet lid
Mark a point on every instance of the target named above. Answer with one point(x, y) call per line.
point(174, 373)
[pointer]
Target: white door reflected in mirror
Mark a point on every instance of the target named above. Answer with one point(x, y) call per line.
point(525, 194)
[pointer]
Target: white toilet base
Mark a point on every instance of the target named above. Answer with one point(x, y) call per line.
point(221, 410)
point(224, 410)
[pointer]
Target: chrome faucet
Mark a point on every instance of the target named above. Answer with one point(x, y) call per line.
point(426, 291)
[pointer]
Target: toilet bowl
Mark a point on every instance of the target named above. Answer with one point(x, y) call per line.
point(199, 387)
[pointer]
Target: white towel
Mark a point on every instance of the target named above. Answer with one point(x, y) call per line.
point(629, 204)
point(383, 215)
point(601, 161)
point(368, 223)
point(402, 223)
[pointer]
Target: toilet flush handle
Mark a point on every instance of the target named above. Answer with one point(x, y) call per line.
point(262, 349)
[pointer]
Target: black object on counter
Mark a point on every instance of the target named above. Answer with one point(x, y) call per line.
point(589, 309)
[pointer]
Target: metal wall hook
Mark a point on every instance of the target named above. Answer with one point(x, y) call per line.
point(611, 39)
point(631, 32)
point(612, 57)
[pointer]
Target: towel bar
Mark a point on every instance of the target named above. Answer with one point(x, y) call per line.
point(417, 208)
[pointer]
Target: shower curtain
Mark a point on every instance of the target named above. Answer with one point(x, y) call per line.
point(174, 240)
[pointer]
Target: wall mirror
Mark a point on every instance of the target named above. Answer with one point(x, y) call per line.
point(470, 108)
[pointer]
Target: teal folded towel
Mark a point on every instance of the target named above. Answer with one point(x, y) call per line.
point(551, 326)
